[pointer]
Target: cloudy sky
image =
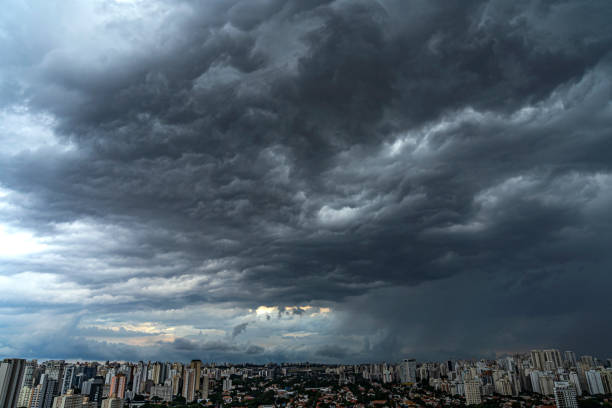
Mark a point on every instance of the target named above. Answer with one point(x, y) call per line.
point(268, 180)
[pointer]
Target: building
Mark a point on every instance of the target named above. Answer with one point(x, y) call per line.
point(594, 382)
point(205, 385)
point(94, 388)
point(25, 397)
point(43, 393)
point(573, 377)
point(117, 386)
point(570, 358)
point(537, 359)
point(606, 379)
point(112, 403)
point(553, 358)
point(588, 361)
point(547, 386)
point(196, 365)
point(565, 395)
point(68, 379)
point(50, 391)
point(189, 381)
point(472, 392)
point(227, 384)
point(534, 377)
point(27, 383)
point(11, 372)
point(408, 371)
point(70, 400)
point(163, 392)
point(503, 386)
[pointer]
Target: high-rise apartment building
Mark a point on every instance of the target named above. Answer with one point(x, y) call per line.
point(570, 358)
point(594, 382)
point(606, 379)
point(547, 386)
point(565, 395)
point(189, 385)
point(227, 384)
point(408, 371)
point(472, 392)
point(43, 393)
point(25, 397)
point(553, 358)
point(163, 392)
point(70, 400)
point(117, 386)
point(11, 372)
point(205, 384)
point(94, 388)
point(27, 384)
point(68, 379)
point(196, 365)
point(588, 361)
point(537, 359)
point(573, 378)
point(112, 403)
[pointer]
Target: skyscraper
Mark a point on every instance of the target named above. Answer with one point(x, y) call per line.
point(553, 357)
point(565, 395)
point(43, 393)
point(117, 386)
point(588, 361)
point(196, 365)
point(70, 400)
point(94, 388)
point(538, 359)
point(27, 383)
point(573, 377)
point(408, 371)
point(189, 384)
point(205, 384)
point(11, 372)
point(68, 379)
point(594, 382)
point(227, 384)
point(472, 392)
point(570, 358)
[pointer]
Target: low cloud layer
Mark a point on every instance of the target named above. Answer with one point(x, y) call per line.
point(352, 180)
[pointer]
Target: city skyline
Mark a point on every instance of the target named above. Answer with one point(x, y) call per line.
point(564, 356)
point(538, 378)
point(304, 180)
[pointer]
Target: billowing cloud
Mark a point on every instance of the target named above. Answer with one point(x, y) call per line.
point(357, 180)
point(240, 328)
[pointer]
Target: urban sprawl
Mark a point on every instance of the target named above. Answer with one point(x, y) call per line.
point(540, 378)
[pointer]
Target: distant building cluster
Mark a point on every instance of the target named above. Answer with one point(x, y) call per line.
point(521, 378)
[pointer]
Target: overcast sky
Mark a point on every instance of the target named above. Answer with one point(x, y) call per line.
point(267, 180)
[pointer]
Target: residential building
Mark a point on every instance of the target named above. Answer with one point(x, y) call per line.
point(11, 372)
point(565, 395)
point(472, 392)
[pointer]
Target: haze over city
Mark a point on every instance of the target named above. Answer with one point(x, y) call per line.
point(305, 180)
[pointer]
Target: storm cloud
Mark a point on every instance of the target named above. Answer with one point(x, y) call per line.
point(353, 180)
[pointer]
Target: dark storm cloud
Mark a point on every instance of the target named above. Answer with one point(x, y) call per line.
point(296, 152)
point(333, 351)
point(239, 329)
point(121, 332)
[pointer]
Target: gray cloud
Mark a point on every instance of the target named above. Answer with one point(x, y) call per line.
point(239, 329)
point(356, 155)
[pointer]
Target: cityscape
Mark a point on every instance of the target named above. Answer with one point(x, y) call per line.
point(305, 203)
point(540, 378)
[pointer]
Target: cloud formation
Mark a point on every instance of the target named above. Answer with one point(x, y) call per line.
point(396, 178)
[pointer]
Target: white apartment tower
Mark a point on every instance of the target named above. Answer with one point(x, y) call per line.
point(565, 395)
point(472, 392)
